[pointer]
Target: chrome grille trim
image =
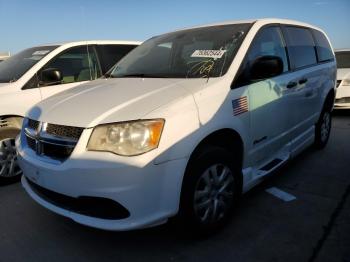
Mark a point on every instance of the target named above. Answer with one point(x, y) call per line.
point(64, 131)
point(51, 144)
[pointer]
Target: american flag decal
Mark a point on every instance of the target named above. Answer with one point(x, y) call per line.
point(240, 105)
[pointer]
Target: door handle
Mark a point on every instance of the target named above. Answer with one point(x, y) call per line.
point(302, 81)
point(292, 84)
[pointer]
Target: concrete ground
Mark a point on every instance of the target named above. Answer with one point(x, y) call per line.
point(314, 227)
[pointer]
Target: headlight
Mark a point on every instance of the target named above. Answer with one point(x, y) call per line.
point(127, 138)
point(345, 82)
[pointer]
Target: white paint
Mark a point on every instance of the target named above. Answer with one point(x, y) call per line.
point(280, 194)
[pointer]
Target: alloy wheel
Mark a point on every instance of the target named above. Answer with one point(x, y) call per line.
point(214, 193)
point(8, 159)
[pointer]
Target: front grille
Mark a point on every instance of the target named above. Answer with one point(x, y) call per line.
point(64, 131)
point(338, 82)
point(33, 124)
point(31, 143)
point(86, 205)
point(51, 140)
point(58, 152)
point(343, 100)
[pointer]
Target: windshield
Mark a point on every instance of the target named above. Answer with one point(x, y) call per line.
point(15, 66)
point(343, 59)
point(193, 53)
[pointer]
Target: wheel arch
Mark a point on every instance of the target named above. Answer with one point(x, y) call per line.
point(226, 138)
point(329, 100)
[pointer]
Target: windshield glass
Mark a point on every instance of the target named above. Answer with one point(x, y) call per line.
point(15, 66)
point(193, 53)
point(343, 59)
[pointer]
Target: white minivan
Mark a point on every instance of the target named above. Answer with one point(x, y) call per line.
point(182, 126)
point(40, 72)
point(342, 99)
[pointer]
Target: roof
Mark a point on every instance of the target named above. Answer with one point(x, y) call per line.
point(94, 42)
point(260, 20)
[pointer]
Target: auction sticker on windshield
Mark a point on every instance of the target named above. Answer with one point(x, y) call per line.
point(209, 53)
point(41, 52)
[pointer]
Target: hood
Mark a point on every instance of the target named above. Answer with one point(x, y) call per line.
point(342, 73)
point(107, 101)
point(6, 88)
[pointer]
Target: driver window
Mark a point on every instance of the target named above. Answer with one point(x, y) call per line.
point(269, 41)
point(76, 65)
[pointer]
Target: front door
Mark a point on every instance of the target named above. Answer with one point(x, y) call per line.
point(270, 102)
point(77, 65)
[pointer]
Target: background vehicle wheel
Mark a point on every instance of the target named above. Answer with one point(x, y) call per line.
point(9, 170)
point(323, 127)
point(210, 191)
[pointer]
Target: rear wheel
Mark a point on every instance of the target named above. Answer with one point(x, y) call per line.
point(323, 127)
point(211, 188)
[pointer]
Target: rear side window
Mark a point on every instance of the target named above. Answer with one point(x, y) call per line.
point(301, 47)
point(111, 54)
point(324, 50)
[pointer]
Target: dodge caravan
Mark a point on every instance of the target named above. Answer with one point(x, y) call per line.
point(183, 125)
point(39, 72)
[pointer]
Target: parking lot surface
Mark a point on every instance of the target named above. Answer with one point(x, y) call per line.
point(313, 227)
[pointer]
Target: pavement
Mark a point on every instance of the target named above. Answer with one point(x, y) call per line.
point(313, 227)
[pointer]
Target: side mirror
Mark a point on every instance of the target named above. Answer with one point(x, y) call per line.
point(266, 67)
point(50, 76)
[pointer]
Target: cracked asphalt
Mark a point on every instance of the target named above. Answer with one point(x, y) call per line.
point(314, 227)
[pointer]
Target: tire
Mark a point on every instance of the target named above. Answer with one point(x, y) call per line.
point(10, 172)
point(323, 127)
point(210, 190)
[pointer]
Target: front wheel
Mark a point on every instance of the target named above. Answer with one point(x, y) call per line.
point(9, 169)
point(210, 191)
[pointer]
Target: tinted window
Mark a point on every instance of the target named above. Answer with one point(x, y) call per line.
point(301, 47)
point(324, 50)
point(268, 42)
point(343, 59)
point(16, 66)
point(111, 54)
point(76, 64)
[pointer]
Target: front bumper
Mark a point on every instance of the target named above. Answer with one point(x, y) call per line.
point(342, 100)
point(149, 192)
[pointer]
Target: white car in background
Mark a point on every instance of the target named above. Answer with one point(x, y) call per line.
point(39, 72)
point(342, 100)
point(185, 123)
point(4, 56)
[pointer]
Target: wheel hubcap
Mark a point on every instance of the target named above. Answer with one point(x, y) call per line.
point(8, 159)
point(213, 193)
point(326, 126)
